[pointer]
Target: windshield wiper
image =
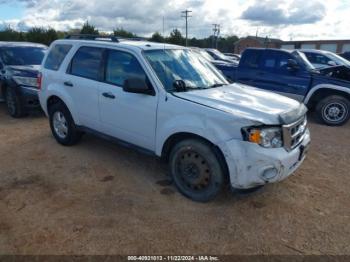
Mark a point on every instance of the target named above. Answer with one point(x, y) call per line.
point(180, 86)
point(217, 85)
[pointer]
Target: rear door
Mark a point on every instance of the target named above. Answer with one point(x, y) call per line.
point(82, 81)
point(274, 75)
point(249, 67)
point(127, 116)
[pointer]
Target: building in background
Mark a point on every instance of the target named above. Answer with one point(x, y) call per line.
point(336, 46)
point(253, 41)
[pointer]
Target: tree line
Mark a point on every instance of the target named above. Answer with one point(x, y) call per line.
point(48, 35)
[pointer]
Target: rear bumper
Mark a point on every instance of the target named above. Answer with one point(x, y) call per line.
point(251, 165)
point(29, 97)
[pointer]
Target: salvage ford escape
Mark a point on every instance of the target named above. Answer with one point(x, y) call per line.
point(169, 101)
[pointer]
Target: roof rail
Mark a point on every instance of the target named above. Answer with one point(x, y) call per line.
point(91, 37)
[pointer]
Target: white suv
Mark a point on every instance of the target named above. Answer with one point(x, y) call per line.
point(170, 101)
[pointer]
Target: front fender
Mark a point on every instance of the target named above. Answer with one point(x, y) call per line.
point(325, 87)
point(177, 115)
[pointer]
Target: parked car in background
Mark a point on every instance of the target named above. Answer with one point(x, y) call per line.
point(218, 56)
point(322, 59)
point(346, 55)
point(169, 101)
point(224, 67)
point(19, 68)
point(234, 56)
point(290, 73)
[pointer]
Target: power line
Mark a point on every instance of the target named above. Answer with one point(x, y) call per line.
point(216, 30)
point(186, 16)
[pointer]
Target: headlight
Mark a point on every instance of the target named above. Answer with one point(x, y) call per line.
point(269, 137)
point(26, 81)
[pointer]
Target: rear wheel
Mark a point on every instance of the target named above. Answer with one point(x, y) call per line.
point(62, 125)
point(333, 110)
point(196, 170)
point(13, 104)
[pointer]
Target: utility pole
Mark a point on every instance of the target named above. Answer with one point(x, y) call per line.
point(216, 31)
point(186, 16)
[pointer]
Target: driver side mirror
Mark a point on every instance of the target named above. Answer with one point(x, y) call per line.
point(331, 63)
point(292, 65)
point(137, 86)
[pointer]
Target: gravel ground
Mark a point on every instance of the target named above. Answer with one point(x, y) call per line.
point(102, 198)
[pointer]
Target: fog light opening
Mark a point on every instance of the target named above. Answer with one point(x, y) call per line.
point(269, 174)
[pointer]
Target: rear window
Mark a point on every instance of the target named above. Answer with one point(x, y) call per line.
point(56, 56)
point(251, 59)
point(22, 55)
point(87, 63)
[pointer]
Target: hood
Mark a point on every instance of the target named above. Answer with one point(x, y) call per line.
point(249, 102)
point(23, 70)
point(337, 75)
point(225, 64)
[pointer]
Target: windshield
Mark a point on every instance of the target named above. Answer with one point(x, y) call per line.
point(338, 59)
point(220, 55)
point(186, 65)
point(17, 56)
point(206, 55)
point(301, 57)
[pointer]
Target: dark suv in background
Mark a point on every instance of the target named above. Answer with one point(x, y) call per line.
point(19, 82)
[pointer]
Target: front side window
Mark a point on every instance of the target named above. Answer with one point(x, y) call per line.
point(172, 65)
point(317, 58)
point(56, 56)
point(87, 63)
point(22, 55)
point(121, 66)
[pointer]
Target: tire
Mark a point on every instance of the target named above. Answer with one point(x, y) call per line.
point(333, 110)
point(13, 104)
point(196, 170)
point(62, 125)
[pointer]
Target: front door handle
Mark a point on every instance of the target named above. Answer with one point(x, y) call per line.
point(109, 95)
point(67, 83)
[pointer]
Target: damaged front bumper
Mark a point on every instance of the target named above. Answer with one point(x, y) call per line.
point(251, 165)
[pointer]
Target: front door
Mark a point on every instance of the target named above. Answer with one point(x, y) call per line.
point(274, 75)
point(127, 116)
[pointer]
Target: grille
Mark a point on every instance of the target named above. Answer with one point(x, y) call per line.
point(293, 134)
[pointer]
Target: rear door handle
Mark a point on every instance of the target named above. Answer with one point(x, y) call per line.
point(109, 95)
point(67, 83)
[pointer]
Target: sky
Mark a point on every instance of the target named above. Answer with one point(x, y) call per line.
point(284, 19)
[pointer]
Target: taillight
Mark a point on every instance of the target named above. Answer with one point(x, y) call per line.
point(39, 80)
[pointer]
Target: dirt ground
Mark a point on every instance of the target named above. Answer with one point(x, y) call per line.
point(102, 198)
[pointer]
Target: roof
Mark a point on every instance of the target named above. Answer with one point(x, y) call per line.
point(314, 51)
point(272, 49)
point(141, 45)
point(14, 44)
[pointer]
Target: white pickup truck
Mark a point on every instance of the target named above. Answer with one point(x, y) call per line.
point(169, 101)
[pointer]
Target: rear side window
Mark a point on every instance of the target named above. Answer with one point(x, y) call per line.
point(56, 56)
point(121, 66)
point(87, 63)
point(251, 59)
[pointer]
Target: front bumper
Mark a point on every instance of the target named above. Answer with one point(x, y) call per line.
point(251, 165)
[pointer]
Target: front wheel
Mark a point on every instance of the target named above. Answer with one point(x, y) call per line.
point(333, 110)
point(196, 170)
